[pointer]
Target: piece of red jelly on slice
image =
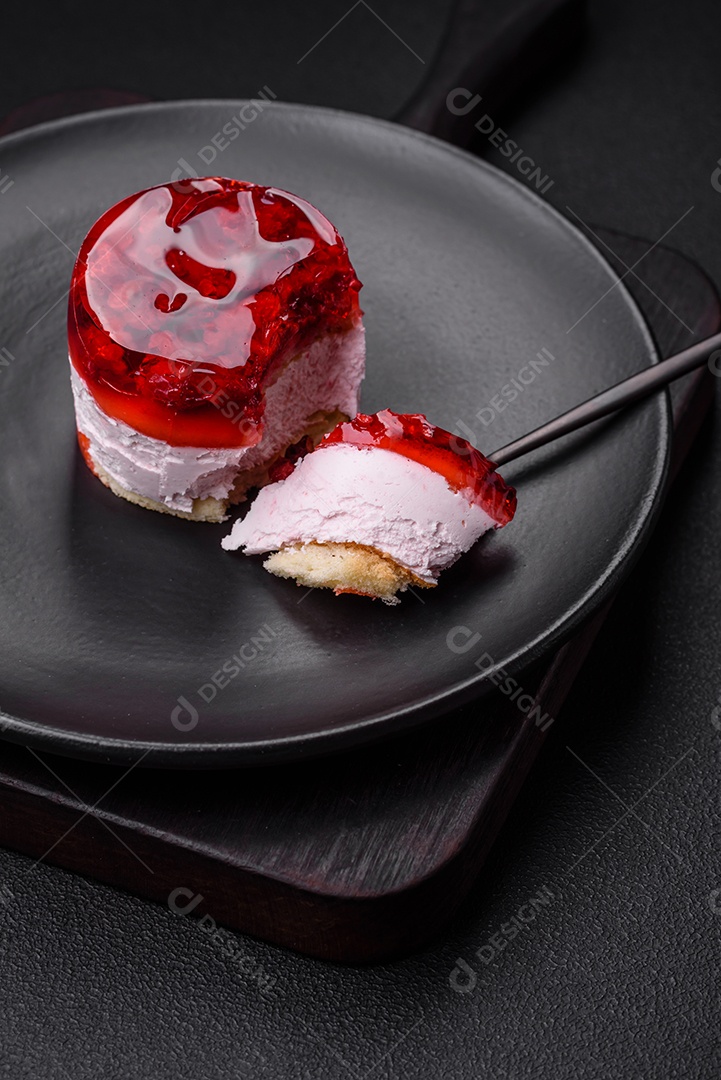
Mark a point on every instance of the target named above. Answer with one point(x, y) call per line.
point(410, 434)
point(185, 301)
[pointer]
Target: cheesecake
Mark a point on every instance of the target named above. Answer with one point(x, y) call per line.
point(215, 334)
point(383, 503)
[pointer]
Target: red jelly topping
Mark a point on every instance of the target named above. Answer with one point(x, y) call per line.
point(184, 304)
point(410, 434)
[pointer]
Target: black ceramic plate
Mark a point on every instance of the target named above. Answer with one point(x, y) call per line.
point(113, 617)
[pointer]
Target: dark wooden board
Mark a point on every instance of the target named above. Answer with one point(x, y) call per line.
point(356, 858)
point(497, 51)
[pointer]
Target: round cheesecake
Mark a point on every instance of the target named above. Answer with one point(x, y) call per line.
point(383, 502)
point(214, 334)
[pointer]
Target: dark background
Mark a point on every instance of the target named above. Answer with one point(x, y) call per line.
point(618, 975)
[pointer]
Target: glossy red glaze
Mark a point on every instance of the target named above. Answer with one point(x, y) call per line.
point(410, 434)
point(186, 299)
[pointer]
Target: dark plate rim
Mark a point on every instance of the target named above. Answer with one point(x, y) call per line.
point(219, 755)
